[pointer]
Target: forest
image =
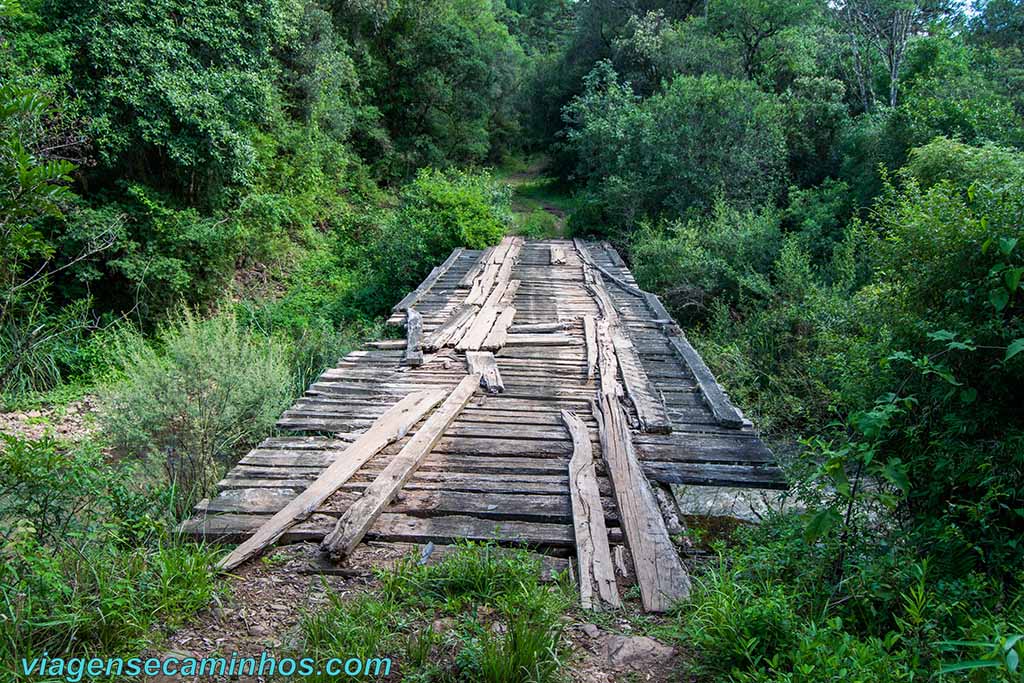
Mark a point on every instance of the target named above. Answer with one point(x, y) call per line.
point(204, 203)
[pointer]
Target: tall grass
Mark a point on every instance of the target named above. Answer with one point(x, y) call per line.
point(88, 566)
point(501, 625)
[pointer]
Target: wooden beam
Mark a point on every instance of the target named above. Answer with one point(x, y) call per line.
point(716, 399)
point(479, 329)
point(650, 408)
point(593, 556)
point(590, 335)
point(440, 337)
point(660, 573)
point(467, 280)
point(556, 255)
point(482, 363)
point(413, 338)
point(354, 524)
point(499, 332)
point(540, 340)
point(412, 297)
point(533, 328)
point(390, 427)
point(387, 344)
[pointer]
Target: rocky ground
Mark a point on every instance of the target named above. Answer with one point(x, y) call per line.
point(267, 598)
point(72, 421)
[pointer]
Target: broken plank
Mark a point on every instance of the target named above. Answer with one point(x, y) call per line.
point(556, 255)
point(478, 330)
point(590, 336)
point(721, 407)
point(357, 519)
point(413, 338)
point(593, 556)
point(440, 337)
point(649, 408)
point(540, 340)
point(410, 299)
point(659, 571)
point(499, 332)
point(467, 280)
point(482, 363)
point(390, 427)
point(541, 327)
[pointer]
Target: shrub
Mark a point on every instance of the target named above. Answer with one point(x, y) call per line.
point(538, 225)
point(86, 567)
point(698, 140)
point(206, 392)
point(438, 212)
point(726, 256)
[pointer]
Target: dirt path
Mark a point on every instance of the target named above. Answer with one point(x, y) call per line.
point(533, 190)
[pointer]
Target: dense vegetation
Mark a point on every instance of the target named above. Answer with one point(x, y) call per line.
point(203, 203)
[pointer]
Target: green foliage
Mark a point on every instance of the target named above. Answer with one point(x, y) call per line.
point(438, 212)
point(819, 215)
point(164, 256)
point(441, 75)
point(504, 624)
point(679, 150)
point(172, 102)
point(728, 256)
point(86, 568)
point(538, 225)
point(765, 613)
point(209, 391)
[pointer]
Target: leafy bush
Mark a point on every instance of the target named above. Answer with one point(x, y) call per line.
point(438, 212)
point(206, 393)
point(172, 103)
point(726, 256)
point(699, 140)
point(86, 566)
point(538, 225)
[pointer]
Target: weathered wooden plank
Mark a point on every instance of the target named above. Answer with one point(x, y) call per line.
point(474, 271)
point(441, 336)
point(541, 340)
point(478, 331)
point(660, 574)
point(556, 255)
point(649, 408)
point(393, 527)
point(392, 426)
point(590, 336)
point(413, 338)
point(410, 299)
point(536, 328)
point(353, 525)
point(720, 405)
point(387, 344)
point(482, 363)
point(499, 332)
point(593, 556)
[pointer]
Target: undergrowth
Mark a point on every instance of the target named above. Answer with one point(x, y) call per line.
point(89, 565)
point(479, 614)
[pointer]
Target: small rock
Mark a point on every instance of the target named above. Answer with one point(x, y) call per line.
point(638, 653)
point(591, 630)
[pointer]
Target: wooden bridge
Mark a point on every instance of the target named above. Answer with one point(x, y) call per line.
point(540, 400)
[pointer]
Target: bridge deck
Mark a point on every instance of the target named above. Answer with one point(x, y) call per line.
point(500, 471)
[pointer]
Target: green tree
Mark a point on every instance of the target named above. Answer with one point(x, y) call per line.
point(173, 89)
point(679, 150)
point(760, 28)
